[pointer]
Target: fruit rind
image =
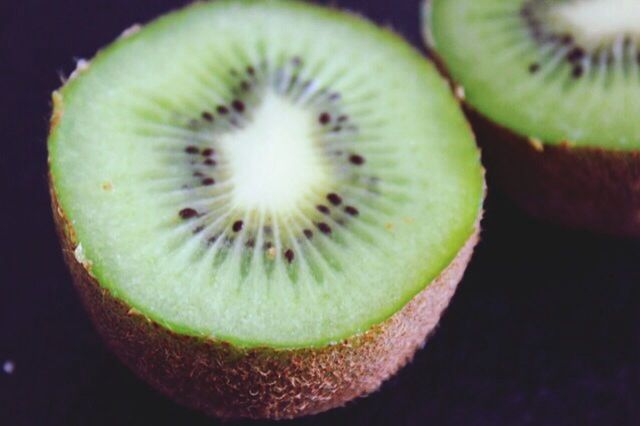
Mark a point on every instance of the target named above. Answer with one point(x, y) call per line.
point(579, 187)
point(57, 110)
point(228, 381)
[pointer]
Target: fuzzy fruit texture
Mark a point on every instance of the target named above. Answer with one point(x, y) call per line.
point(232, 382)
point(224, 340)
point(578, 187)
point(583, 187)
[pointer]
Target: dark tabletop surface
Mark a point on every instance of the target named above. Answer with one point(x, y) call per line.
point(544, 329)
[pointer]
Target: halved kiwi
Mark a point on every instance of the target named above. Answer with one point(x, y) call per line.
point(265, 205)
point(553, 88)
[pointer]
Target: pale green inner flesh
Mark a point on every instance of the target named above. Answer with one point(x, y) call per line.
point(528, 84)
point(198, 216)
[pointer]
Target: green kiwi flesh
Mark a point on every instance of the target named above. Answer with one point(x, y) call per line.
point(244, 186)
point(553, 89)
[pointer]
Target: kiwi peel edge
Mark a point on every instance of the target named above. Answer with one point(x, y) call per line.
point(229, 381)
point(580, 187)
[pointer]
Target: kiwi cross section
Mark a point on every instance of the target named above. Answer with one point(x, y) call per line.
point(277, 185)
point(571, 66)
point(232, 176)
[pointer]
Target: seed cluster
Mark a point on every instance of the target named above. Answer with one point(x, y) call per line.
point(577, 57)
point(225, 227)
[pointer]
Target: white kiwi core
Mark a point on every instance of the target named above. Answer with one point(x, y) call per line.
point(273, 161)
point(595, 23)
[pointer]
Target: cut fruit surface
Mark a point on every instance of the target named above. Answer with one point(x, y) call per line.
point(231, 175)
point(564, 70)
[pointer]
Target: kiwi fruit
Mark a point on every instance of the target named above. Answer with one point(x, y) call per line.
point(265, 205)
point(553, 91)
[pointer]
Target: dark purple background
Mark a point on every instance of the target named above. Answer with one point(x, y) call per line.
point(544, 328)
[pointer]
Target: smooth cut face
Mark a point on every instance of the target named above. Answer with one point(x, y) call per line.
point(267, 173)
point(554, 70)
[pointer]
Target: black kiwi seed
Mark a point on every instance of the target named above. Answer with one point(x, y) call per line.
point(191, 149)
point(356, 159)
point(350, 210)
point(577, 71)
point(207, 116)
point(222, 110)
point(188, 213)
point(566, 39)
point(210, 162)
point(250, 243)
point(208, 181)
point(334, 199)
point(208, 152)
point(288, 254)
point(251, 70)
point(533, 68)
point(575, 54)
point(324, 228)
point(237, 226)
point(238, 105)
point(245, 86)
point(323, 209)
point(324, 118)
point(308, 233)
point(343, 118)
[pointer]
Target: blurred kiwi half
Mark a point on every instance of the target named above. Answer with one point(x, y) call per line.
point(553, 90)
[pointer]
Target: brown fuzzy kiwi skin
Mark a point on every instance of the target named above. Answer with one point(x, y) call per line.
point(232, 382)
point(588, 188)
point(228, 381)
point(578, 187)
